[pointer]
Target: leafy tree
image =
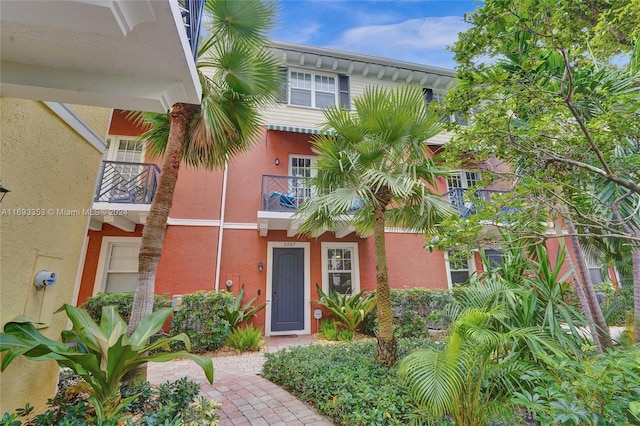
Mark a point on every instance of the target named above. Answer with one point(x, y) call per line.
point(238, 76)
point(373, 170)
point(548, 95)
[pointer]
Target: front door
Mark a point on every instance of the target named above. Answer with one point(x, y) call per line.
point(287, 291)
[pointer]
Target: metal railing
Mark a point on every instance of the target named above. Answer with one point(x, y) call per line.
point(466, 204)
point(192, 17)
point(284, 193)
point(126, 182)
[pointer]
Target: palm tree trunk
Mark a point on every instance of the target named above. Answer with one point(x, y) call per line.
point(583, 270)
point(635, 259)
point(387, 347)
point(156, 225)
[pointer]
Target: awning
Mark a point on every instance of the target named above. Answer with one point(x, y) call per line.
point(293, 129)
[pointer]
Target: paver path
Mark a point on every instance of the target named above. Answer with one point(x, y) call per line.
point(246, 397)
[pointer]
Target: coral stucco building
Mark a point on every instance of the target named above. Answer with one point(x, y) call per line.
point(235, 227)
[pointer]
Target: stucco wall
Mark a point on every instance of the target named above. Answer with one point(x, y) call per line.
point(51, 171)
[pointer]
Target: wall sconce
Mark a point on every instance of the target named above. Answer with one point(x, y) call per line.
point(260, 267)
point(277, 161)
point(3, 192)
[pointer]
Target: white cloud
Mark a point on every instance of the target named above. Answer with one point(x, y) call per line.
point(407, 40)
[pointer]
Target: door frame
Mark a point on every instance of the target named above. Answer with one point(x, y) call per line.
point(307, 286)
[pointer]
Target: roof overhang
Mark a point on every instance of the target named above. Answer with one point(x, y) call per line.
point(126, 54)
point(330, 60)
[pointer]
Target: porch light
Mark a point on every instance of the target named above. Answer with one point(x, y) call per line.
point(277, 161)
point(260, 267)
point(3, 192)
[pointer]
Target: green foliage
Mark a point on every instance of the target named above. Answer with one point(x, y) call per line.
point(350, 310)
point(123, 302)
point(202, 318)
point(329, 330)
point(597, 390)
point(344, 382)
point(345, 335)
point(617, 304)
point(237, 314)
point(101, 354)
point(416, 311)
point(170, 403)
point(245, 339)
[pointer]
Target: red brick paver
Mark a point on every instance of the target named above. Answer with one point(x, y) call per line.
point(246, 397)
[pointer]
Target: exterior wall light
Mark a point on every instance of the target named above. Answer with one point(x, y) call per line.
point(3, 192)
point(260, 267)
point(277, 161)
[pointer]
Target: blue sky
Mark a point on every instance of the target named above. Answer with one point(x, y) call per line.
point(414, 31)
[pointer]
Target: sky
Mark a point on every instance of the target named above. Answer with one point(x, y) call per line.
point(414, 31)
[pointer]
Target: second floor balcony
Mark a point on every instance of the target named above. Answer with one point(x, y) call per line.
point(466, 201)
point(124, 194)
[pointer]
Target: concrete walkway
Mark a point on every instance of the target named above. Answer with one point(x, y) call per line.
point(246, 398)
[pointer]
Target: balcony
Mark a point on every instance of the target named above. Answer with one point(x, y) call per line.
point(466, 204)
point(126, 54)
point(281, 196)
point(124, 194)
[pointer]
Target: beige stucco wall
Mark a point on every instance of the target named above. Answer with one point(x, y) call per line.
point(50, 170)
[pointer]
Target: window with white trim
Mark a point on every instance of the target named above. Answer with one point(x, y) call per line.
point(301, 167)
point(121, 267)
point(316, 90)
point(460, 268)
point(340, 268)
point(457, 185)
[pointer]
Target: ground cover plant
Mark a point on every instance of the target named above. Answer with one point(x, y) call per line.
point(343, 381)
point(245, 339)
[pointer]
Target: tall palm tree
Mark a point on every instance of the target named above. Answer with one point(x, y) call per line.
point(238, 76)
point(376, 158)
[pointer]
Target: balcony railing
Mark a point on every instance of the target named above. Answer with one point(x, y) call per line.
point(129, 183)
point(284, 193)
point(192, 16)
point(467, 205)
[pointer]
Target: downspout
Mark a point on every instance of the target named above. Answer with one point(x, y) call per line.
point(223, 203)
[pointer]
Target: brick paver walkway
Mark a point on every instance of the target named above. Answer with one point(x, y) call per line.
point(246, 398)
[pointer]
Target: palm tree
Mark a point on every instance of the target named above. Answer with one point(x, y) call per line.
point(376, 158)
point(238, 76)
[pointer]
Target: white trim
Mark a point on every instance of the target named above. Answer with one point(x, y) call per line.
point(355, 265)
point(307, 286)
point(192, 222)
point(80, 270)
point(246, 226)
point(471, 261)
point(98, 284)
point(77, 123)
point(223, 204)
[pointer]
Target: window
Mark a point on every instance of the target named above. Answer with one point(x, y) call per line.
point(340, 268)
point(431, 96)
point(595, 269)
point(460, 267)
point(494, 258)
point(301, 168)
point(316, 90)
point(118, 265)
point(457, 185)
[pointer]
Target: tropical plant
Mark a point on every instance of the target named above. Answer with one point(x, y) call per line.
point(245, 339)
point(238, 77)
point(349, 309)
point(100, 354)
point(376, 157)
point(237, 314)
point(329, 330)
point(472, 378)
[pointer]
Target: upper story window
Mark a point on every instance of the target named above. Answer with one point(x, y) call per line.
point(315, 90)
point(431, 96)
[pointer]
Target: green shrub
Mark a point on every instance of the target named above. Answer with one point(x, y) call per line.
point(350, 310)
point(329, 330)
point(345, 335)
point(245, 339)
point(598, 390)
point(123, 301)
point(202, 319)
point(237, 314)
point(343, 381)
point(617, 303)
point(416, 310)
